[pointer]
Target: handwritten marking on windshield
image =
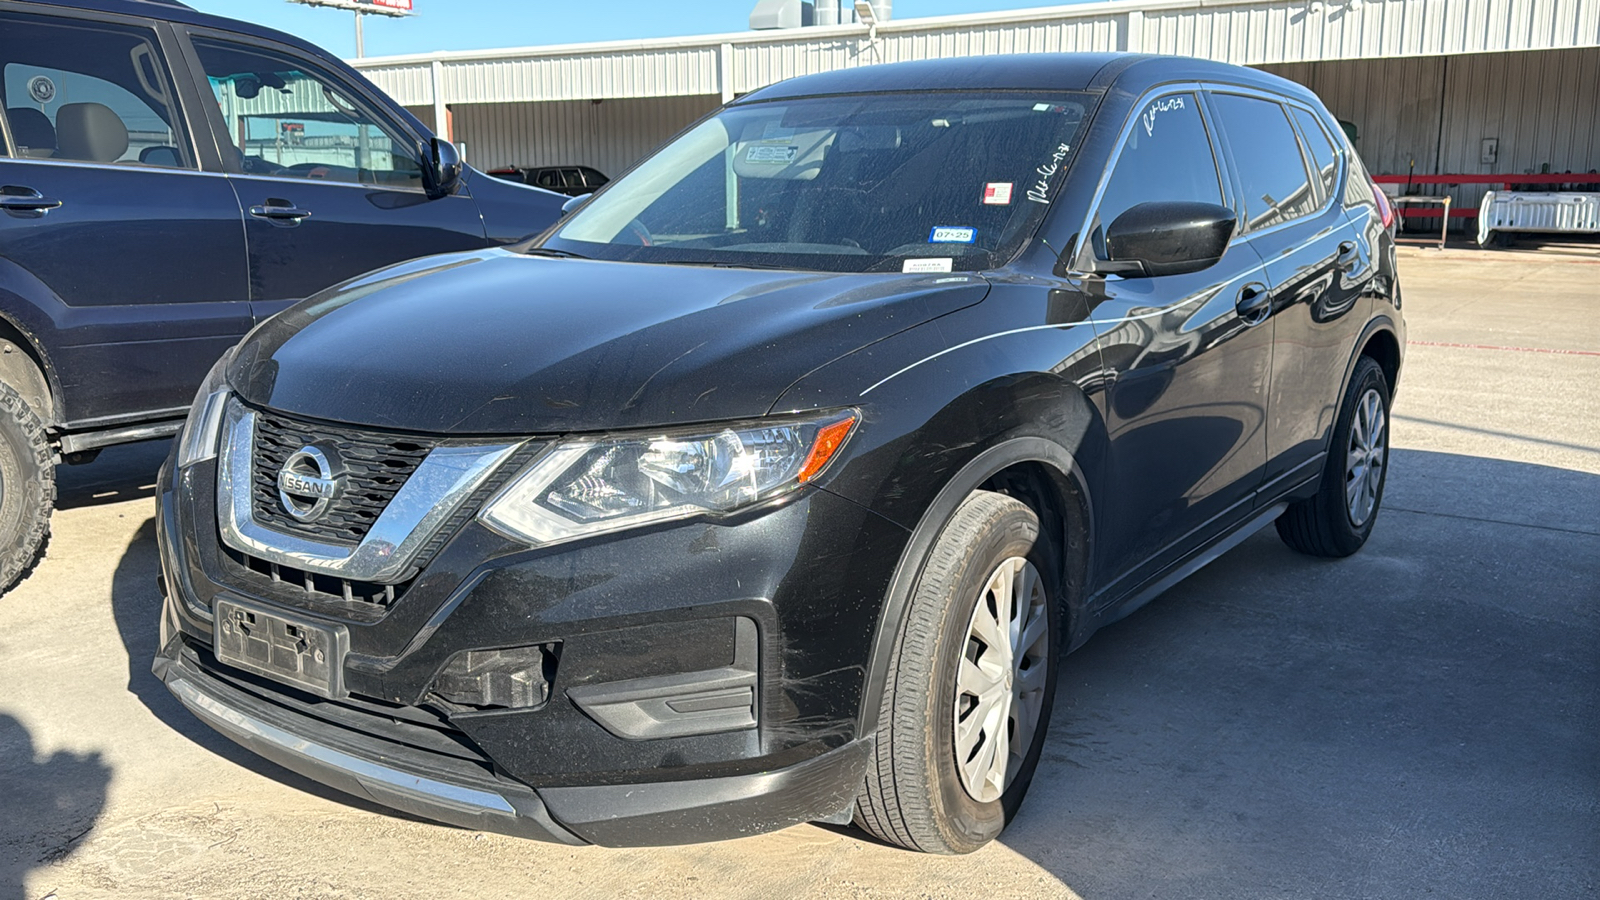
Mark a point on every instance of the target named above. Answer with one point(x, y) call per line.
point(1040, 191)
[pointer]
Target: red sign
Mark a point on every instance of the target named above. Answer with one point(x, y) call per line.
point(392, 4)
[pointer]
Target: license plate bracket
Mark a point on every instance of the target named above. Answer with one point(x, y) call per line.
point(307, 655)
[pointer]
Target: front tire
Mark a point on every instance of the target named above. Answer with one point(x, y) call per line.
point(27, 488)
point(1337, 521)
point(971, 685)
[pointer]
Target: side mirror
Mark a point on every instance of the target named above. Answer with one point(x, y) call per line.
point(575, 202)
point(441, 169)
point(1167, 238)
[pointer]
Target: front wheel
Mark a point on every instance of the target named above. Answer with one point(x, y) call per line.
point(27, 487)
point(1338, 519)
point(971, 685)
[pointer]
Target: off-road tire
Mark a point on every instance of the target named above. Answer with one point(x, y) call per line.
point(1321, 525)
point(913, 794)
point(27, 488)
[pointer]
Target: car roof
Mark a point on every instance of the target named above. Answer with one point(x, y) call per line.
point(1131, 72)
point(174, 11)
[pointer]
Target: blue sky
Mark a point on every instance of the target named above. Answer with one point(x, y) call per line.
point(481, 24)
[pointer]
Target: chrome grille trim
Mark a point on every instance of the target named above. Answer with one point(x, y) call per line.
point(445, 479)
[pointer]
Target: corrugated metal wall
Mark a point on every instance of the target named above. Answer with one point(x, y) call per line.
point(1542, 106)
point(610, 135)
point(1250, 32)
point(758, 65)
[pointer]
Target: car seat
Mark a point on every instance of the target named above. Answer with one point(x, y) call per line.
point(35, 137)
point(90, 131)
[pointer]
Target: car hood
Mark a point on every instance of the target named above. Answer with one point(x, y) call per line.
point(494, 342)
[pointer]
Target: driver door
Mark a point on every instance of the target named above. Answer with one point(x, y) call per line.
point(331, 187)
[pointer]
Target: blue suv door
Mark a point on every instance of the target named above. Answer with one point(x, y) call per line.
point(330, 181)
point(118, 255)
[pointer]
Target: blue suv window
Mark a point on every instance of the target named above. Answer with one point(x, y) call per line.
point(288, 121)
point(91, 93)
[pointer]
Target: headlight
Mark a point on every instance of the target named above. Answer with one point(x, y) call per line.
point(587, 487)
point(198, 440)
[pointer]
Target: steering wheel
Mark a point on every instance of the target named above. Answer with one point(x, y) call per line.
point(255, 165)
point(639, 234)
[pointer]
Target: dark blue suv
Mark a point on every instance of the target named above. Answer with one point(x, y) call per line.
point(169, 179)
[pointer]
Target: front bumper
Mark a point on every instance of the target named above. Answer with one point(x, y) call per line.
point(804, 580)
point(458, 792)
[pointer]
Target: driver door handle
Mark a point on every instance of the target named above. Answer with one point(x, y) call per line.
point(1254, 303)
point(279, 210)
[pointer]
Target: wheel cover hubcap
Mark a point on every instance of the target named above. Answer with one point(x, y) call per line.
point(1000, 684)
point(1363, 476)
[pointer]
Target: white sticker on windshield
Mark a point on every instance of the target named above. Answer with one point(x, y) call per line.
point(775, 132)
point(770, 153)
point(934, 264)
point(997, 193)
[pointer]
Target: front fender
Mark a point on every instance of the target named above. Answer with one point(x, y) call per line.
point(940, 419)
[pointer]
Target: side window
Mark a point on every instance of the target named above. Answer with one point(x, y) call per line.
point(1320, 147)
point(1167, 156)
point(289, 120)
point(551, 179)
point(573, 177)
point(88, 92)
point(1272, 173)
point(593, 178)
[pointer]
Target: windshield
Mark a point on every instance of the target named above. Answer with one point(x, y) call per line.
point(878, 183)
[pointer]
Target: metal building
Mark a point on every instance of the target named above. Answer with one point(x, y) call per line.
point(1430, 86)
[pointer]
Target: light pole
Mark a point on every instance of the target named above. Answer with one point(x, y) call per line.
point(361, 45)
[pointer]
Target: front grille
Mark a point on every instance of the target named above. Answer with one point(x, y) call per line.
point(359, 600)
point(375, 464)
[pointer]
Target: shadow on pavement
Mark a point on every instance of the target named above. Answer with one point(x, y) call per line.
point(46, 805)
point(127, 472)
point(1419, 719)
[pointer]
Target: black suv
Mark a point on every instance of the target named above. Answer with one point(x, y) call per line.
point(770, 485)
point(574, 181)
point(168, 180)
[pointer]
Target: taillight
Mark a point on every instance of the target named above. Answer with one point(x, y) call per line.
point(1385, 208)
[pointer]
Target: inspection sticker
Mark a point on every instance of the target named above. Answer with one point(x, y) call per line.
point(951, 234)
point(997, 193)
point(770, 153)
point(932, 264)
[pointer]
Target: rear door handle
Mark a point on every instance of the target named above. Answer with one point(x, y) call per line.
point(1348, 258)
point(26, 201)
point(1254, 303)
point(279, 210)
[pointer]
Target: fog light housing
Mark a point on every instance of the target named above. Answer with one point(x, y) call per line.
point(516, 678)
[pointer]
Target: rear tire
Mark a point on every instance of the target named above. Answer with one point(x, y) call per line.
point(1338, 520)
point(952, 696)
point(27, 488)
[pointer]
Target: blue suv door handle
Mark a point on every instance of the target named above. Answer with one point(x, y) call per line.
point(25, 201)
point(280, 211)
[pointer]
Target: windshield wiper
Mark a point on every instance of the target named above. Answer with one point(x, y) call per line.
point(553, 252)
point(719, 265)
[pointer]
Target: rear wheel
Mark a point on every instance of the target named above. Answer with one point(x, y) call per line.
point(1338, 520)
point(971, 685)
point(27, 487)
